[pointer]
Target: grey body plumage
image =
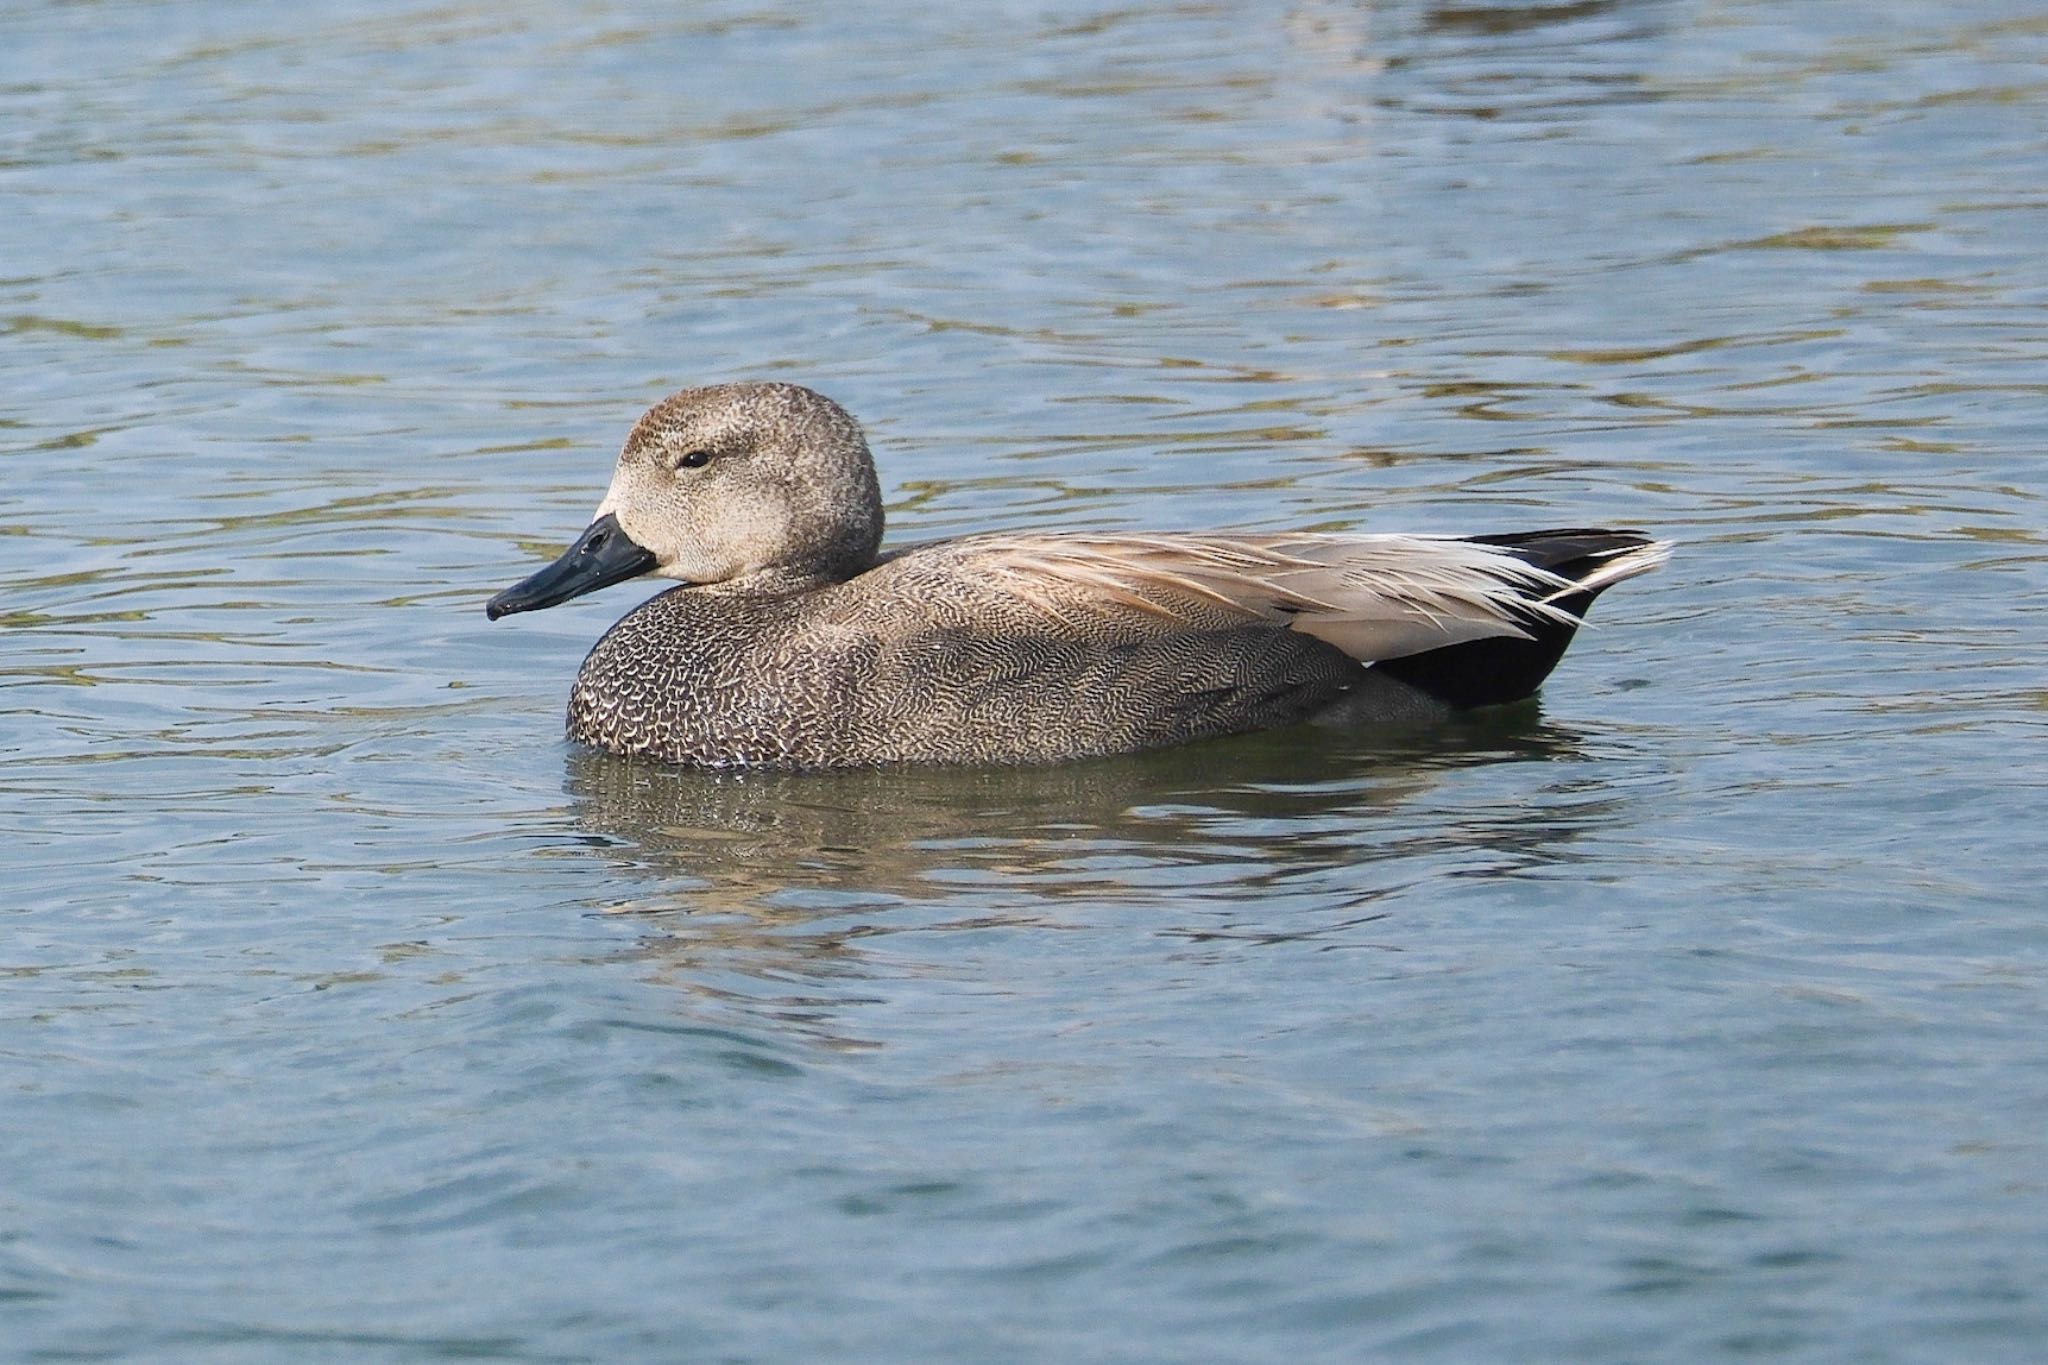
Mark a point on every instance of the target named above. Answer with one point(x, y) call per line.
point(792, 646)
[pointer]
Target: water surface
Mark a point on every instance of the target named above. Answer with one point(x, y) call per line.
point(1695, 1013)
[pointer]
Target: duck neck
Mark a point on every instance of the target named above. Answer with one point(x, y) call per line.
point(775, 582)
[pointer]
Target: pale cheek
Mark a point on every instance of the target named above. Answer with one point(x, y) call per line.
point(677, 552)
point(647, 515)
point(692, 562)
point(755, 538)
point(626, 494)
point(695, 534)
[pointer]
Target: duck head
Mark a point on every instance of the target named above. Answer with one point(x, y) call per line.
point(722, 484)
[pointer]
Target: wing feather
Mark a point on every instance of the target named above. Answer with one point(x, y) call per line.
point(1372, 596)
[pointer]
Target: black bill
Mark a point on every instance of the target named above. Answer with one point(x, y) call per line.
point(601, 556)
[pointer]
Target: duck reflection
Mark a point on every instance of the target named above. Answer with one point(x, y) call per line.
point(787, 872)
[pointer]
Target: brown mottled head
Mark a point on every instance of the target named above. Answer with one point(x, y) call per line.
point(722, 482)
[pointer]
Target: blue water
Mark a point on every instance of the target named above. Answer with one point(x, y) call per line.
point(347, 1013)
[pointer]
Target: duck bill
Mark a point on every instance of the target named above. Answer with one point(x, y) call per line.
point(602, 555)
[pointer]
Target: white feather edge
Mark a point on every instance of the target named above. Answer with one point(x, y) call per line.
point(1372, 596)
point(1621, 564)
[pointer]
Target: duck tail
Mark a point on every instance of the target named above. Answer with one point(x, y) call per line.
point(1493, 671)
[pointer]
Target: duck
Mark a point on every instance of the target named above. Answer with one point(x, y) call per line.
point(792, 641)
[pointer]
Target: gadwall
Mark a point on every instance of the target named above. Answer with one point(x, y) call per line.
point(793, 644)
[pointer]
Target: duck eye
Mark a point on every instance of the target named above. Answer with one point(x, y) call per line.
point(694, 459)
